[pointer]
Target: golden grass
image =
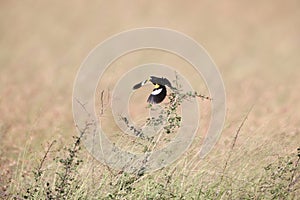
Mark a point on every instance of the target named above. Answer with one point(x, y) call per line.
point(255, 45)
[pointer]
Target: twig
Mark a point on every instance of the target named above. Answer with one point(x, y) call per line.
point(83, 106)
point(39, 169)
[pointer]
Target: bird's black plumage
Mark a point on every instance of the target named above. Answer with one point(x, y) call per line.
point(157, 95)
point(161, 81)
point(159, 92)
point(138, 85)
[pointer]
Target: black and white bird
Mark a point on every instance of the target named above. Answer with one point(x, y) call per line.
point(159, 92)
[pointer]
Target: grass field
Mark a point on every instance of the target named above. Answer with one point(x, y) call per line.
point(256, 46)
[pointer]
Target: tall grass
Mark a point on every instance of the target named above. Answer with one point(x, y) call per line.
point(90, 180)
point(66, 175)
point(70, 173)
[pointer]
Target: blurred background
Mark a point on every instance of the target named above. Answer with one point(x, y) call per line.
point(255, 44)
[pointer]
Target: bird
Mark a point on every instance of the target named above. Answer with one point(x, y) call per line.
point(159, 92)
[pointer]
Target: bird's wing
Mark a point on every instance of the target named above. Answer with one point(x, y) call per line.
point(138, 85)
point(161, 81)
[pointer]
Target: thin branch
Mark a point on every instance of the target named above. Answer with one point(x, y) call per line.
point(39, 169)
point(83, 106)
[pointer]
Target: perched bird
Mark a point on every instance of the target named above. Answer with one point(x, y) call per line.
point(159, 92)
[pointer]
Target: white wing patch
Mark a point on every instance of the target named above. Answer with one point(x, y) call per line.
point(156, 92)
point(144, 82)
